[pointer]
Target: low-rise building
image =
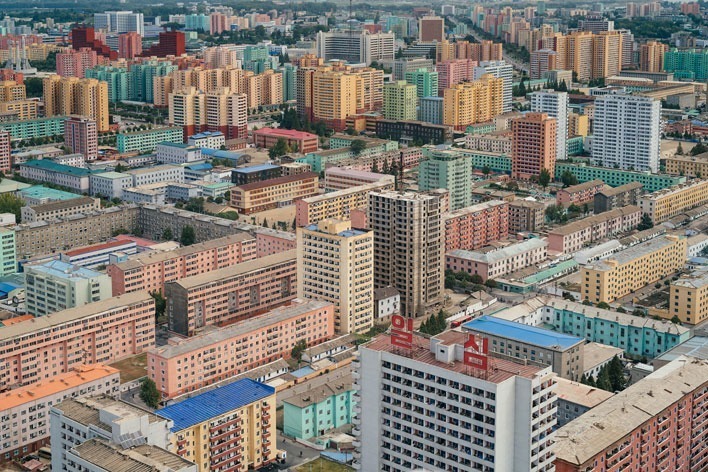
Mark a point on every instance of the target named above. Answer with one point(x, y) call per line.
point(97, 455)
point(110, 184)
point(413, 131)
point(36, 128)
point(24, 411)
point(690, 166)
point(697, 244)
point(8, 252)
point(297, 141)
point(338, 204)
point(231, 294)
point(257, 173)
point(611, 198)
point(596, 356)
point(94, 333)
point(579, 194)
point(499, 142)
point(633, 268)
point(574, 236)
point(150, 271)
point(240, 420)
point(157, 174)
point(476, 226)
point(147, 141)
point(39, 194)
point(665, 204)
point(338, 178)
point(274, 193)
point(177, 153)
point(526, 215)
point(56, 285)
point(616, 177)
point(497, 262)
point(655, 424)
point(208, 139)
point(575, 399)
point(189, 364)
point(387, 302)
point(688, 298)
point(564, 353)
point(318, 411)
point(59, 209)
point(75, 179)
point(98, 254)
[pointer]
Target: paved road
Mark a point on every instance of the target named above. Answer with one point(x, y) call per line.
point(313, 384)
point(294, 450)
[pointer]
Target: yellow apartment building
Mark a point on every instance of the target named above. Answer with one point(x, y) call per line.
point(633, 268)
point(473, 102)
point(667, 203)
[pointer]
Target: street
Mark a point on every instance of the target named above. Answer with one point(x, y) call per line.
point(296, 453)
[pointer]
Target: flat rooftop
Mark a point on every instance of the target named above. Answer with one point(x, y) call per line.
point(63, 204)
point(320, 394)
point(99, 247)
point(474, 209)
point(696, 347)
point(504, 368)
point(256, 168)
point(63, 270)
point(614, 419)
point(215, 403)
point(347, 191)
point(58, 383)
point(214, 335)
point(238, 269)
point(583, 186)
point(143, 458)
point(278, 181)
point(631, 253)
point(86, 410)
point(40, 192)
point(523, 333)
point(595, 354)
point(575, 392)
point(500, 254)
point(593, 220)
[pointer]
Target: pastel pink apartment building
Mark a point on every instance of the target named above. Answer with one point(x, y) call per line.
point(476, 226)
point(576, 235)
point(221, 353)
point(579, 194)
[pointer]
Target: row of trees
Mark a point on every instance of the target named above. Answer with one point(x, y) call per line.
point(436, 324)
point(610, 378)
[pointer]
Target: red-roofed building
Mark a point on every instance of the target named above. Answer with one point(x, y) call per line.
point(300, 140)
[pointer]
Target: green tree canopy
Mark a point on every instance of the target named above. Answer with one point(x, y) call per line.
point(188, 236)
point(9, 203)
point(358, 146)
point(149, 393)
point(645, 223)
point(544, 178)
point(281, 148)
point(167, 234)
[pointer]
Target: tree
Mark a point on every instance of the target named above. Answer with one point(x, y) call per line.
point(491, 283)
point(544, 178)
point(679, 149)
point(280, 149)
point(587, 302)
point(486, 170)
point(603, 380)
point(188, 236)
point(476, 279)
point(160, 303)
point(298, 349)
point(645, 223)
point(149, 393)
point(615, 371)
point(9, 203)
point(699, 148)
point(167, 234)
point(568, 178)
point(676, 320)
point(436, 324)
point(265, 222)
point(603, 305)
point(358, 146)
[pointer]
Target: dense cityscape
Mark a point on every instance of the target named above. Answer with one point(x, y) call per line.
point(345, 236)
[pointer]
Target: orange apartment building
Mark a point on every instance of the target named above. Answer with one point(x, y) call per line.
point(24, 411)
point(476, 226)
point(150, 271)
point(271, 241)
point(274, 193)
point(298, 141)
point(337, 204)
point(231, 294)
point(533, 145)
point(98, 333)
point(473, 102)
point(579, 194)
point(217, 354)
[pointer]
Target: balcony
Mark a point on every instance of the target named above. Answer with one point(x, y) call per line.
point(356, 443)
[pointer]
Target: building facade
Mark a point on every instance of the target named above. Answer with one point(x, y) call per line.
point(574, 236)
point(274, 193)
point(667, 203)
point(476, 226)
point(533, 148)
point(498, 262)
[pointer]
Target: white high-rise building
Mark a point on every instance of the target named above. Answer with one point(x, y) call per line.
point(555, 105)
point(431, 404)
point(408, 247)
point(499, 69)
point(120, 22)
point(626, 132)
point(356, 46)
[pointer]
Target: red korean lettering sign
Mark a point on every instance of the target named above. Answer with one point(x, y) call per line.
point(402, 331)
point(476, 351)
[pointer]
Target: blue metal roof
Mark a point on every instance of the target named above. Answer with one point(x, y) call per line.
point(215, 402)
point(521, 332)
point(202, 166)
point(256, 168)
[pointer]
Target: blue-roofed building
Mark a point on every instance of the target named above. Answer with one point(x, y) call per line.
point(257, 173)
point(243, 411)
point(234, 157)
point(563, 352)
point(39, 195)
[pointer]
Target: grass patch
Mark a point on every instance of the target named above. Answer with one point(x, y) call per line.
point(323, 465)
point(132, 368)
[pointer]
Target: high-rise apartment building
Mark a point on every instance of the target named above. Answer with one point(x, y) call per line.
point(5, 152)
point(81, 137)
point(449, 170)
point(73, 63)
point(445, 403)
point(119, 22)
point(402, 66)
point(425, 81)
point(74, 96)
point(218, 110)
point(473, 102)
point(606, 54)
point(85, 37)
point(130, 45)
point(408, 247)
point(689, 64)
point(651, 56)
point(542, 61)
point(626, 132)
point(533, 147)
point(400, 100)
point(431, 28)
point(500, 70)
point(555, 105)
point(170, 43)
point(454, 71)
point(334, 96)
point(335, 263)
point(356, 47)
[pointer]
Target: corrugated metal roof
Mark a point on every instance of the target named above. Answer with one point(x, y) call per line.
point(215, 403)
point(521, 332)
